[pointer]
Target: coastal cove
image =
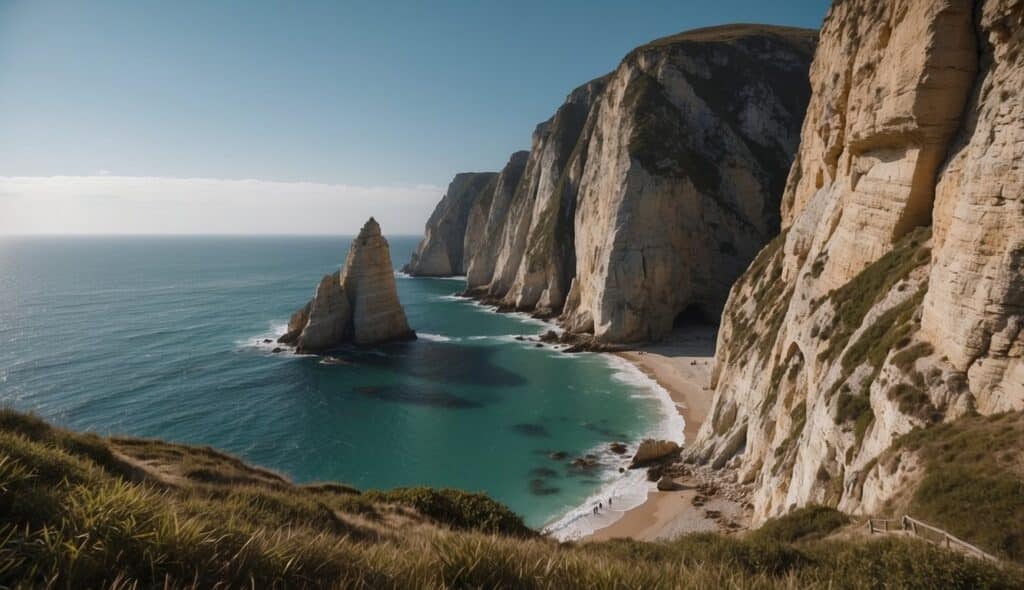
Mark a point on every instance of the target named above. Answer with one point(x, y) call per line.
point(165, 338)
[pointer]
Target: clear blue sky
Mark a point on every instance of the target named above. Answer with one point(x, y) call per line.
point(369, 93)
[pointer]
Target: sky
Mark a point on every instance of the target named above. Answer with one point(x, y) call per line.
point(258, 117)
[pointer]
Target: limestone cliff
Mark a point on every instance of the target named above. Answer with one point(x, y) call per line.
point(895, 296)
point(358, 304)
point(691, 143)
point(487, 221)
point(441, 251)
point(650, 189)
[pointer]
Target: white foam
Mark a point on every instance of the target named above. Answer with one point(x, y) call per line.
point(626, 491)
point(434, 337)
point(274, 331)
point(454, 278)
point(631, 488)
point(672, 423)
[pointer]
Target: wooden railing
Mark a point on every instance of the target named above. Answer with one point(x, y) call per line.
point(936, 536)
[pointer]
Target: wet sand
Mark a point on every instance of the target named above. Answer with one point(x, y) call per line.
point(682, 365)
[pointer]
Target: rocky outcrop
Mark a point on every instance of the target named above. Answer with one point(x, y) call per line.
point(358, 304)
point(650, 189)
point(440, 254)
point(651, 450)
point(329, 316)
point(894, 297)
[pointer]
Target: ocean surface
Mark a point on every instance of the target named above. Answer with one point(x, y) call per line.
point(163, 337)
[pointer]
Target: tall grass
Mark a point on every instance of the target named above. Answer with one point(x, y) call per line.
point(68, 520)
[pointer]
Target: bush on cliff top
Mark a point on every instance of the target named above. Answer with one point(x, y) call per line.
point(805, 524)
point(457, 509)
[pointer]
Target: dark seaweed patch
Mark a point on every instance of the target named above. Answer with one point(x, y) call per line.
point(419, 397)
point(527, 429)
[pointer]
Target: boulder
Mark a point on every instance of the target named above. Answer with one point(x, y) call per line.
point(667, 484)
point(652, 450)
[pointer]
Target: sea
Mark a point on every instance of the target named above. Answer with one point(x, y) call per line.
point(165, 337)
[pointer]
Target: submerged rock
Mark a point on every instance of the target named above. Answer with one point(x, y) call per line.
point(358, 304)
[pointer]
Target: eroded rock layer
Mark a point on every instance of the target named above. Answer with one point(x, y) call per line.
point(358, 304)
point(650, 189)
point(894, 297)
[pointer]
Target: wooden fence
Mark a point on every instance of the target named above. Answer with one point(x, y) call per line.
point(936, 536)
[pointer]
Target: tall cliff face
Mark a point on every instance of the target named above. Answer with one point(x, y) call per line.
point(535, 259)
point(487, 222)
point(358, 304)
point(691, 144)
point(441, 254)
point(895, 296)
point(650, 189)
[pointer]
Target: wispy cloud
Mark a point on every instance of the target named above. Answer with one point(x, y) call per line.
point(107, 204)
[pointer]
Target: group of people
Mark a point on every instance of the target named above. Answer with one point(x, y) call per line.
point(600, 506)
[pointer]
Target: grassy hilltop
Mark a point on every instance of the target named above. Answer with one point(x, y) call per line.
point(81, 511)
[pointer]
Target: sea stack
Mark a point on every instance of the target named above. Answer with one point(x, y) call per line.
point(357, 305)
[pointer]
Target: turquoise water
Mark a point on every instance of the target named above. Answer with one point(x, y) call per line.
point(162, 337)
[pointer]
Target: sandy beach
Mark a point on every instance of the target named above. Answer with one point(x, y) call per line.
point(682, 365)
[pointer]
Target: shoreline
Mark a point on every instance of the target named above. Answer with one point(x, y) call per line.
point(679, 368)
point(676, 370)
point(681, 365)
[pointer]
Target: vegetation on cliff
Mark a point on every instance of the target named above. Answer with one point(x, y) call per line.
point(973, 484)
point(77, 511)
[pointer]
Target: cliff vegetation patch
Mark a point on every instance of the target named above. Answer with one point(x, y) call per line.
point(974, 480)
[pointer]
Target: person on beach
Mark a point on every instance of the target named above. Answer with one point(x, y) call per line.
point(600, 505)
point(609, 502)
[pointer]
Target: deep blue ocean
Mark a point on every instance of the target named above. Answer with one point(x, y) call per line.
point(162, 337)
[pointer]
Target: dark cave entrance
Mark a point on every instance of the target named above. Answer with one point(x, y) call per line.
point(692, 315)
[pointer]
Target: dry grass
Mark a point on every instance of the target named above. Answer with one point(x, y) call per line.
point(974, 480)
point(73, 516)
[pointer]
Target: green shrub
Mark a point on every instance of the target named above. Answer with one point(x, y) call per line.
point(810, 522)
point(906, 358)
point(913, 402)
point(854, 300)
point(457, 509)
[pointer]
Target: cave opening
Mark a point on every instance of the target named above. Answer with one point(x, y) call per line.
point(694, 314)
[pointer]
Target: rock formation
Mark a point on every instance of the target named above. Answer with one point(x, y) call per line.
point(894, 298)
point(487, 222)
point(649, 190)
point(440, 254)
point(651, 450)
point(358, 304)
